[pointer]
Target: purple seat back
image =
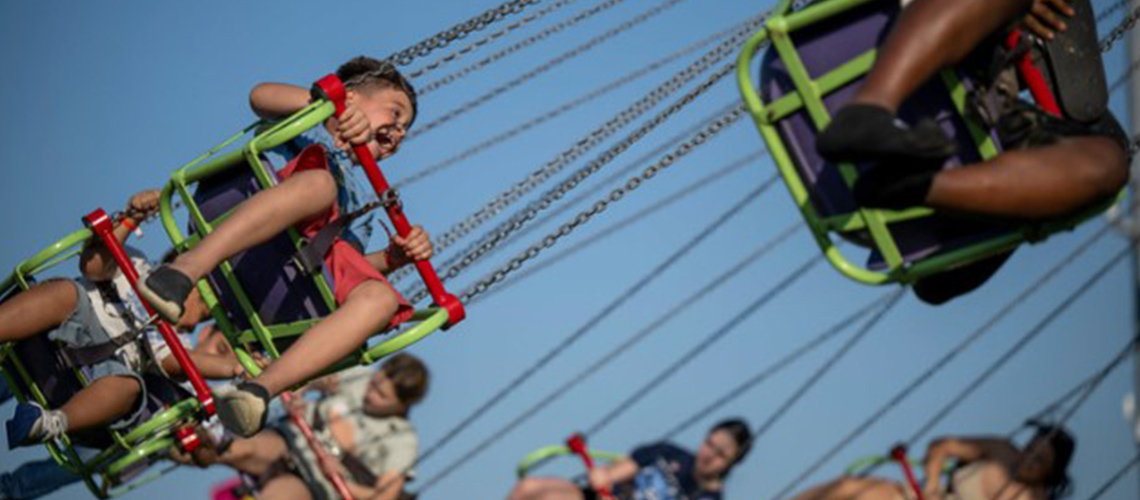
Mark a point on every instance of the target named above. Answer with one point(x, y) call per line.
point(824, 47)
point(279, 290)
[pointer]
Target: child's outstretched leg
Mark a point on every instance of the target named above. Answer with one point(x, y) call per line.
point(38, 309)
point(368, 309)
point(918, 47)
point(99, 404)
point(304, 195)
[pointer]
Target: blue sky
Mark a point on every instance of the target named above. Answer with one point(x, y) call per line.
point(103, 99)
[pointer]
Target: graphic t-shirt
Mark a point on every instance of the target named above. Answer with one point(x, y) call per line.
point(665, 472)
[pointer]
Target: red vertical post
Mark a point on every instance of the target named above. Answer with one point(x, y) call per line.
point(577, 444)
point(331, 474)
point(101, 225)
point(331, 88)
point(899, 454)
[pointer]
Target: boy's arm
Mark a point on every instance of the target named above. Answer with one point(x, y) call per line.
point(964, 450)
point(96, 262)
point(277, 100)
point(618, 472)
point(210, 365)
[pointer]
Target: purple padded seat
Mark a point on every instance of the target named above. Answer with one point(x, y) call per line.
point(280, 291)
point(824, 47)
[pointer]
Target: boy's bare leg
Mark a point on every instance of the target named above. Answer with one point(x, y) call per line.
point(303, 195)
point(255, 455)
point(1035, 183)
point(102, 402)
point(545, 488)
point(284, 487)
point(40, 308)
point(854, 489)
point(368, 309)
point(919, 45)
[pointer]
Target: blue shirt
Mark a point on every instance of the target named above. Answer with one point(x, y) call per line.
point(665, 472)
point(351, 192)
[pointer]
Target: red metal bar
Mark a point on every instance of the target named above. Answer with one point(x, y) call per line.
point(899, 454)
point(101, 225)
point(331, 88)
point(1033, 77)
point(577, 444)
point(298, 420)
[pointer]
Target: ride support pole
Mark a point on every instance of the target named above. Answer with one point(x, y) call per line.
point(100, 224)
point(898, 453)
point(323, 459)
point(330, 87)
point(577, 444)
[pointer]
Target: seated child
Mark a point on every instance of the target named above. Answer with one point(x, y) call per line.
point(659, 470)
point(92, 312)
point(1051, 166)
point(314, 192)
point(362, 419)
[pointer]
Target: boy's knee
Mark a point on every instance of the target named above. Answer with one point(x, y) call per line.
point(377, 296)
point(320, 183)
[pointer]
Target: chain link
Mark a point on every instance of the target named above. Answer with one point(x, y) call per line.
point(459, 31)
point(488, 39)
point(534, 179)
point(616, 195)
point(1120, 30)
point(527, 42)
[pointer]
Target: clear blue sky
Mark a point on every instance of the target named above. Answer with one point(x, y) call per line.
point(103, 99)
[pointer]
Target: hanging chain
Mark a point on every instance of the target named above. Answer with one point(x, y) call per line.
point(1120, 30)
point(443, 38)
point(528, 41)
point(616, 195)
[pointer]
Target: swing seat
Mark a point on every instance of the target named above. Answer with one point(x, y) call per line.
point(543, 455)
point(262, 299)
point(817, 60)
point(36, 371)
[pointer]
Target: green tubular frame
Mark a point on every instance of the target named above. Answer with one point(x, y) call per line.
point(808, 97)
point(268, 337)
point(543, 455)
point(130, 449)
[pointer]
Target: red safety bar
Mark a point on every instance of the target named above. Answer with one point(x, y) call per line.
point(298, 420)
point(1033, 77)
point(101, 225)
point(577, 444)
point(330, 87)
point(898, 453)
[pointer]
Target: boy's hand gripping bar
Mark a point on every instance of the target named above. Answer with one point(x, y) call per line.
point(323, 459)
point(100, 224)
point(577, 444)
point(330, 87)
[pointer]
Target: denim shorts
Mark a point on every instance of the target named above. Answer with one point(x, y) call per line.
point(82, 329)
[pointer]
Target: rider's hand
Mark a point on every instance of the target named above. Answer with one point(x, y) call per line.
point(1046, 17)
point(353, 127)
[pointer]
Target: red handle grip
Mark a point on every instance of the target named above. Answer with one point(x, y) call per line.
point(577, 444)
point(102, 226)
point(899, 454)
point(330, 87)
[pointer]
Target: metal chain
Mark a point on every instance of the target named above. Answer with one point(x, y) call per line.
point(526, 42)
point(598, 207)
point(461, 30)
point(488, 39)
point(552, 114)
point(543, 68)
point(1112, 9)
point(519, 189)
point(1120, 30)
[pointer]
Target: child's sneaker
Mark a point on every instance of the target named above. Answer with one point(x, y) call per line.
point(243, 408)
point(166, 289)
point(861, 132)
point(32, 425)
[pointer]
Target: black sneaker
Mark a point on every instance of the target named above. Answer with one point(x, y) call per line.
point(864, 133)
point(166, 289)
point(242, 409)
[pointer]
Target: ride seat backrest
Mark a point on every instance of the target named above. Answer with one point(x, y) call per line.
point(824, 47)
point(277, 287)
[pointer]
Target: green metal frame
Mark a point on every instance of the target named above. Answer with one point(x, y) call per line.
point(543, 455)
point(269, 338)
point(103, 473)
point(808, 96)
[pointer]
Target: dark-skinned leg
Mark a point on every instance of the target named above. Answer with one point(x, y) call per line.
point(40, 308)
